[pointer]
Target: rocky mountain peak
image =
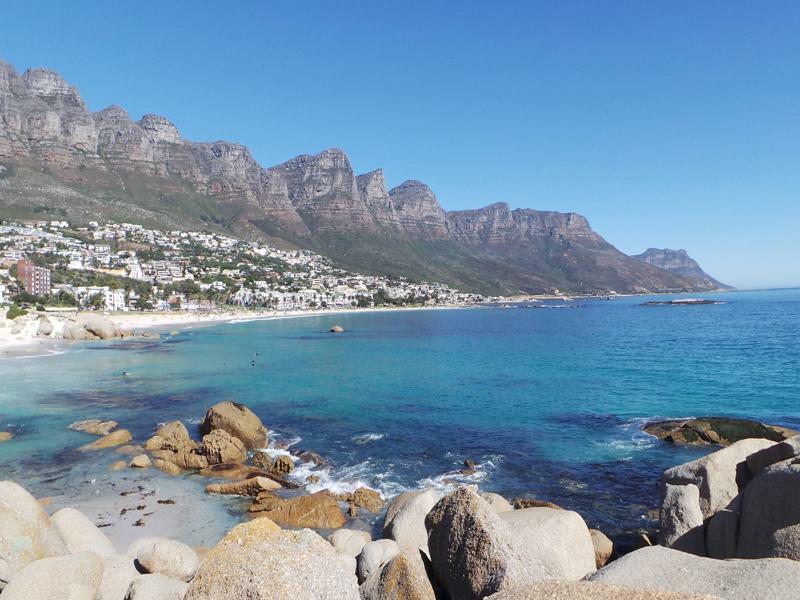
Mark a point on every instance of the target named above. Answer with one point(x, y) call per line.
point(160, 129)
point(418, 211)
point(48, 84)
point(680, 263)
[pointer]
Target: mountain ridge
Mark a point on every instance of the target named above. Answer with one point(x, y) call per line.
point(60, 159)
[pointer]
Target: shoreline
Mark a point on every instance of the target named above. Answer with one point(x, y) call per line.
point(25, 345)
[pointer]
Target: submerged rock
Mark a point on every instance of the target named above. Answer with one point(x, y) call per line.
point(94, 426)
point(6, 436)
point(714, 430)
point(115, 438)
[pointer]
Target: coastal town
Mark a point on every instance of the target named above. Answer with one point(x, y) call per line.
point(121, 267)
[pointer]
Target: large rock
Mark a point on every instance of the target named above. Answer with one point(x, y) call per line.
point(115, 438)
point(404, 577)
point(660, 568)
point(71, 577)
point(405, 518)
point(26, 532)
point(719, 476)
point(350, 541)
point(173, 435)
point(76, 332)
point(259, 561)
point(722, 531)
point(363, 498)
point(167, 557)
point(374, 556)
point(497, 502)
point(239, 421)
point(156, 587)
point(94, 426)
point(603, 547)
point(100, 327)
point(557, 538)
point(769, 525)
point(80, 534)
point(476, 552)
point(758, 461)
point(714, 430)
point(681, 519)
point(118, 574)
point(316, 511)
point(220, 447)
point(247, 487)
point(590, 590)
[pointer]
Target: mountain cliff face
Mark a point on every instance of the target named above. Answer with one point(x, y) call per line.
point(680, 263)
point(57, 158)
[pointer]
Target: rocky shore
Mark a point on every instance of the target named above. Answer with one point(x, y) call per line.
point(729, 528)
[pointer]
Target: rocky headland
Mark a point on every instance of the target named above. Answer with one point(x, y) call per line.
point(729, 529)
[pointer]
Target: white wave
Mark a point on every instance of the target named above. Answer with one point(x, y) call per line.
point(366, 438)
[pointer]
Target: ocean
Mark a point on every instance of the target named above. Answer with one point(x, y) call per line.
point(548, 400)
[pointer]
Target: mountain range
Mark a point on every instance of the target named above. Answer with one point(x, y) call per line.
point(60, 160)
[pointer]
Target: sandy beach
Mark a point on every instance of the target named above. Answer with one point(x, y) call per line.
point(25, 341)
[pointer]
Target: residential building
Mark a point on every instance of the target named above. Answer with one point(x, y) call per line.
point(35, 280)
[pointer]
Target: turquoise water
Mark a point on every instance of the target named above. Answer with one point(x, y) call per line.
point(549, 401)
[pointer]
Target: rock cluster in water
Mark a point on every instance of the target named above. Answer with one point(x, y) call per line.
point(739, 503)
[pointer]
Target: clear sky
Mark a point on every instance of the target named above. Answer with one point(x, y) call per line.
point(667, 123)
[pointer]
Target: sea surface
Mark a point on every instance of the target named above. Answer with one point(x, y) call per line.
point(548, 399)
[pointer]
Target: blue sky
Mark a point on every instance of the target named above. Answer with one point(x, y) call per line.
point(669, 124)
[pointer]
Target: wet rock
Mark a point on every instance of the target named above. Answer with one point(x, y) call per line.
point(316, 511)
point(337, 329)
point(142, 461)
point(313, 457)
point(72, 577)
point(168, 557)
point(262, 460)
point(239, 421)
point(363, 498)
point(534, 503)
point(219, 446)
point(405, 518)
point(661, 568)
point(373, 556)
point(404, 577)
point(115, 438)
point(714, 430)
point(282, 465)
point(94, 426)
point(259, 561)
point(80, 534)
point(167, 467)
point(247, 487)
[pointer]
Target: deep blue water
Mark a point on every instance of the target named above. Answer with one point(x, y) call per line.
point(549, 401)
